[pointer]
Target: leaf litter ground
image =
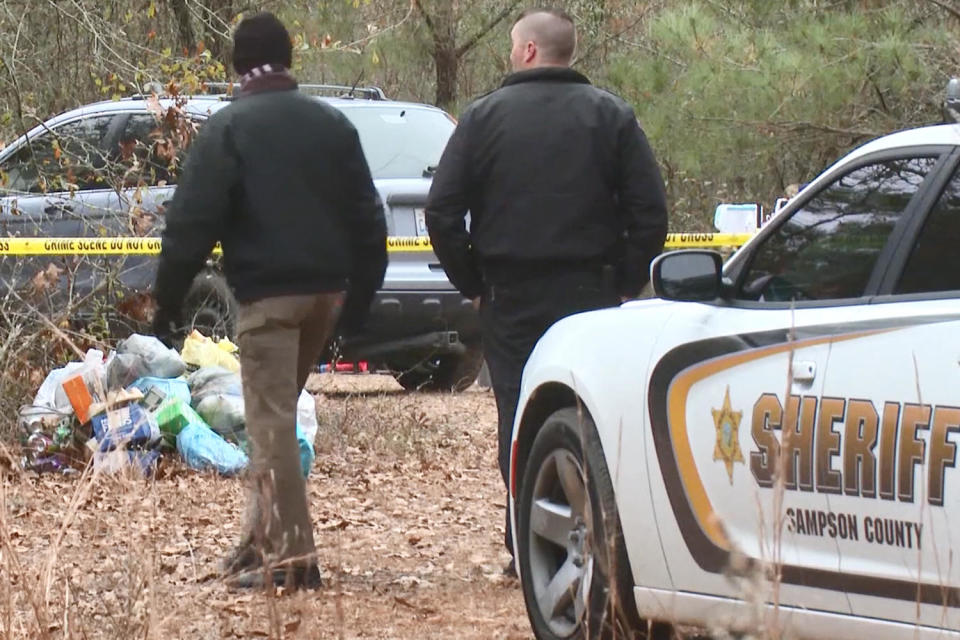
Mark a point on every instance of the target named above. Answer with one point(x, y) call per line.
point(408, 516)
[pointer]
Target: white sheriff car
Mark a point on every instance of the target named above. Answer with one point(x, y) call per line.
point(772, 444)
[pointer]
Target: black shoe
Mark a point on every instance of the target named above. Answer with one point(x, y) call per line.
point(292, 578)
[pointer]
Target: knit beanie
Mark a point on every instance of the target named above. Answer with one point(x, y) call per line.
point(259, 40)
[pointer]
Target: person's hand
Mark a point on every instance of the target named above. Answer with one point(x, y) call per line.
point(476, 303)
point(166, 325)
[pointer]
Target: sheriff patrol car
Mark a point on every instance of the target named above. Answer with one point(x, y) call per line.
point(770, 443)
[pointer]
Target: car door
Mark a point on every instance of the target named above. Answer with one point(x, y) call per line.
point(52, 180)
point(896, 390)
point(743, 431)
point(145, 178)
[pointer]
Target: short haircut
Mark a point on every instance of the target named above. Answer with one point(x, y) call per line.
point(554, 32)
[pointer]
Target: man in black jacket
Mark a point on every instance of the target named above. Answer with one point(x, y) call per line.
point(567, 206)
point(281, 181)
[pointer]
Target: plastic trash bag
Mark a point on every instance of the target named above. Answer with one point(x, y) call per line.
point(47, 393)
point(214, 380)
point(83, 386)
point(307, 426)
point(118, 459)
point(201, 351)
point(160, 361)
point(307, 415)
point(202, 448)
point(51, 394)
point(306, 451)
point(165, 388)
point(224, 412)
point(125, 368)
point(217, 396)
point(129, 426)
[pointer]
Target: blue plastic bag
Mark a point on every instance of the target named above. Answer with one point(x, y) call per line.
point(306, 451)
point(203, 448)
point(167, 387)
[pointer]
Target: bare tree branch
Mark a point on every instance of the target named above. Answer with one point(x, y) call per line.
point(949, 8)
point(475, 38)
point(426, 19)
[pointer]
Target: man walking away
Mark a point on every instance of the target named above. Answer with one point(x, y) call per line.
point(281, 181)
point(566, 202)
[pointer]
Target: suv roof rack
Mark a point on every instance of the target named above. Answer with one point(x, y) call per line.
point(332, 90)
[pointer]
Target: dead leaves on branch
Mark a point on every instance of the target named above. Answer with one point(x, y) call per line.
point(45, 280)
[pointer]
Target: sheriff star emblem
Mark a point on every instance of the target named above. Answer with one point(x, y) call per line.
point(727, 423)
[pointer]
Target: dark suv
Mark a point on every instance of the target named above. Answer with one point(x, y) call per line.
point(108, 169)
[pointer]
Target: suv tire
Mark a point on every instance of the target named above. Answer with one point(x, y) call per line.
point(446, 373)
point(210, 307)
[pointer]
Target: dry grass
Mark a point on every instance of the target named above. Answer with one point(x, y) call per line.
point(407, 513)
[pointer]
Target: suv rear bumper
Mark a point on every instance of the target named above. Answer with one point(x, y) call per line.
point(406, 326)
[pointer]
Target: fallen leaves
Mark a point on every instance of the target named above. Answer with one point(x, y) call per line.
point(405, 551)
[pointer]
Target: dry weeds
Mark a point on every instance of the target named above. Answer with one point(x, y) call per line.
point(407, 506)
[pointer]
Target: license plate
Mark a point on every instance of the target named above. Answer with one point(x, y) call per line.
point(421, 221)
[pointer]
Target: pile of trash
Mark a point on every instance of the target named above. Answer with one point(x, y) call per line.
point(145, 401)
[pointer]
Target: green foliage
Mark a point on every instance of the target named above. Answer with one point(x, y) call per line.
point(741, 100)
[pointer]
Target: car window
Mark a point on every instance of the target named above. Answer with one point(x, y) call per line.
point(68, 157)
point(827, 249)
point(149, 152)
point(401, 142)
point(934, 264)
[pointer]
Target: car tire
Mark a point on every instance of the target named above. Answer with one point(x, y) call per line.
point(446, 373)
point(210, 308)
point(573, 587)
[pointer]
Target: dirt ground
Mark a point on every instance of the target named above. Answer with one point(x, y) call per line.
point(408, 513)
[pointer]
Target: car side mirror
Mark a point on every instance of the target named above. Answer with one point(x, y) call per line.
point(692, 275)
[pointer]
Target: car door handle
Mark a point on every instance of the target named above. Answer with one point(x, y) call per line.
point(804, 371)
point(435, 266)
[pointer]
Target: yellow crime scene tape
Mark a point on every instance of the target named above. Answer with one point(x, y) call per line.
point(151, 246)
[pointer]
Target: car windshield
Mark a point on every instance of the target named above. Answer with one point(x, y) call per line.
point(401, 142)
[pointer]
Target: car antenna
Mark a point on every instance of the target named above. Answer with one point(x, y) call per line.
point(356, 82)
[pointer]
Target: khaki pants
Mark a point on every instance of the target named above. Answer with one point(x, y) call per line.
point(281, 339)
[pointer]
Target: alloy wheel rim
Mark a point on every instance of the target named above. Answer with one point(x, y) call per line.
point(561, 544)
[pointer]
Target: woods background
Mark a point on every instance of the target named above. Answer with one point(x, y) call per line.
point(739, 98)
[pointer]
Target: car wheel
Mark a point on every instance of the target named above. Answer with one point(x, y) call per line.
point(446, 373)
point(210, 308)
point(575, 573)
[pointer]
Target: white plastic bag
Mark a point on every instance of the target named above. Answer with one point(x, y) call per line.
point(159, 360)
point(47, 393)
point(307, 416)
point(51, 394)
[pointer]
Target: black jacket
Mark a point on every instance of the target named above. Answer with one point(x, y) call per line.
point(281, 181)
point(552, 170)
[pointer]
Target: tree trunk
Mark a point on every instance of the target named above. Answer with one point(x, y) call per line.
point(448, 65)
point(215, 28)
point(185, 35)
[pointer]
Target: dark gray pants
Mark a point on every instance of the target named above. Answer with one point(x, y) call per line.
point(513, 317)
